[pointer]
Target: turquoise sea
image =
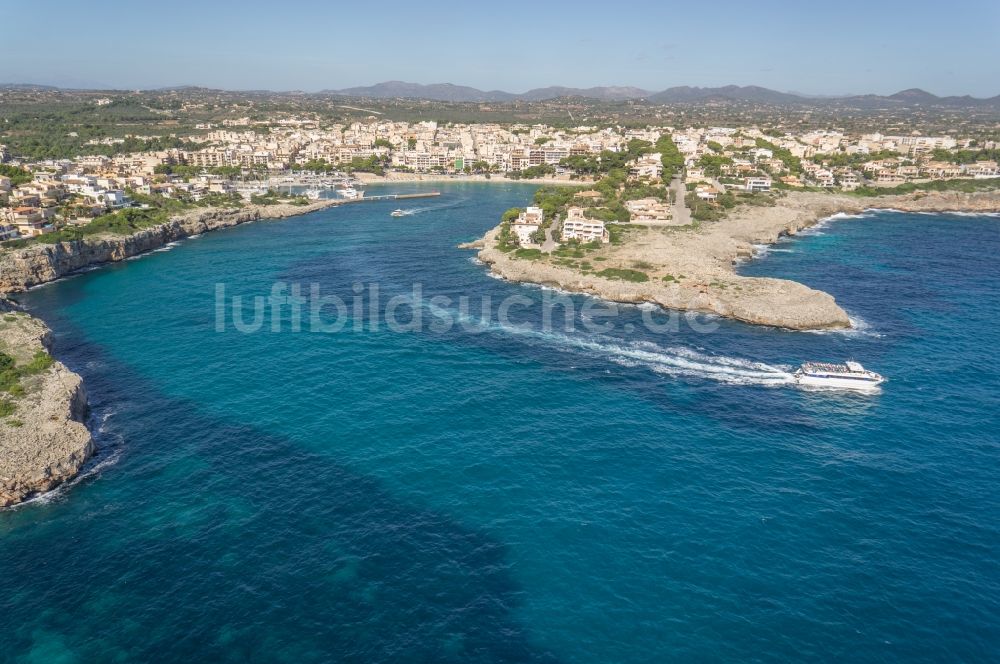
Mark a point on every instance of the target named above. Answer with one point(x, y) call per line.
point(498, 491)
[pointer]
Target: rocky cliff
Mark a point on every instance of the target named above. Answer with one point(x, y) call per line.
point(36, 264)
point(43, 441)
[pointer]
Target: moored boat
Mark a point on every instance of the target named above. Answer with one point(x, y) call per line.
point(351, 194)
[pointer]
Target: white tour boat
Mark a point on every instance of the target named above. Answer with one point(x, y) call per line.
point(351, 194)
point(848, 376)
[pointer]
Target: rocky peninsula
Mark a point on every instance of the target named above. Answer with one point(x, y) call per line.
point(44, 440)
point(693, 268)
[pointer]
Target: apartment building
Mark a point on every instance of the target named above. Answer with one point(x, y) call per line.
point(577, 227)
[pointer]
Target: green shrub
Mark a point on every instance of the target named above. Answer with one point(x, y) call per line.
point(623, 274)
point(7, 408)
point(964, 186)
point(38, 364)
point(530, 254)
point(9, 379)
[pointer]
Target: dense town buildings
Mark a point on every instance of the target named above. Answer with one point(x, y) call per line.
point(223, 158)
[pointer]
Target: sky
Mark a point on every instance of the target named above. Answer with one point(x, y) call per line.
point(845, 47)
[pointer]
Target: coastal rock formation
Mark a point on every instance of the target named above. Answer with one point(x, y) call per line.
point(44, 442)
point(760, 301)
point(693, 269)
point(940, 201)
point(36, 264)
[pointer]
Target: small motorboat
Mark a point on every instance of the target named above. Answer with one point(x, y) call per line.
point(397, 213)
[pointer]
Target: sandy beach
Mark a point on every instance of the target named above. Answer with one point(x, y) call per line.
point(693, 268)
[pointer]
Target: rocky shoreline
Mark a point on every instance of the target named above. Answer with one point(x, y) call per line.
point(45, 442)
point(694, 268)
point(37, 264)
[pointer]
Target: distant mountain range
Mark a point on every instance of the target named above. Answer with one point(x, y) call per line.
point(461, 93)
point(448, 92)
point(676, 95)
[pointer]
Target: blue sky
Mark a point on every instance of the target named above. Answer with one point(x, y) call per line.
point(816, 48)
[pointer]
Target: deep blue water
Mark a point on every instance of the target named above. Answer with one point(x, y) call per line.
point(488, 493)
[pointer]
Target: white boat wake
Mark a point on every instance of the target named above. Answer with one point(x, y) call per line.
point(676, 361)
point(432, 208)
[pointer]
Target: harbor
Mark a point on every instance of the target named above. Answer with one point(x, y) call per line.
point(391, 197)
point(315, 187)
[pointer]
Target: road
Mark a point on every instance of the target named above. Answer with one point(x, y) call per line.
point(550, 244)
point(682, 215)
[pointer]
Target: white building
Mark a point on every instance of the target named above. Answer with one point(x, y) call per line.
point(756, 184)
point(527, 223)
point(578, 227)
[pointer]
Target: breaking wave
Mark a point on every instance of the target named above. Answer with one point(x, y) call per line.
point(859, 328)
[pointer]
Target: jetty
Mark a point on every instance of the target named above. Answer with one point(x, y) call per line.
point(386, 197)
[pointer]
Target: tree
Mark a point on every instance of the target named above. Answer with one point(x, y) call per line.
point(713, 163)
point(511, 214)
point(17, 175)
point(792, 163)
point(670, 156)
point(317, 166)
point(411, 143)
point(226, 171)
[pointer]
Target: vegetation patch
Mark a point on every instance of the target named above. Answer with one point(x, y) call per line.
point(272, 197)
point(623, 274)
point(506, 241)
point(962, 186)
point(531, 254)
point(11, 374)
